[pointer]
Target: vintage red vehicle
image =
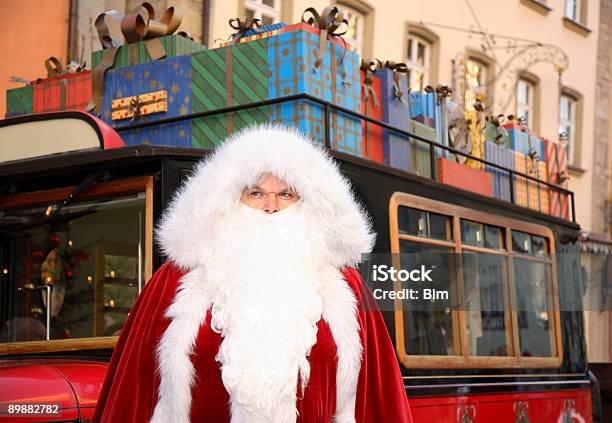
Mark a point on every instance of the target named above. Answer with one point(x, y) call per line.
point(77, 211)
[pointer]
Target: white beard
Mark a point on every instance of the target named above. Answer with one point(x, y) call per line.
point(265, 289)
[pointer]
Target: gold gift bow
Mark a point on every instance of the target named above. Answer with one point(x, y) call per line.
point(398, 69)
point(329, 22)
point(369, 66)
point(55, 68)
point(137, 26)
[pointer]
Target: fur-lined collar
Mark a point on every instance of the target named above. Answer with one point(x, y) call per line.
point(218, 181)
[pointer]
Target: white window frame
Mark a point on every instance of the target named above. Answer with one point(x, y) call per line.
point(414, 67)
point(573, 10)
point(567, 123)
point(261, 10)
point(525, 107)
point(357, 41)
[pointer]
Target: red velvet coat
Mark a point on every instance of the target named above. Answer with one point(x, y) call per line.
point(129, 393)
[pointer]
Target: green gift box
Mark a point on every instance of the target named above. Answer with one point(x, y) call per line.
point(137, 53)
point(19, 101)
point(228, 76)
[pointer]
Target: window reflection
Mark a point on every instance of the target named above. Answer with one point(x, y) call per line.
point(85, 254)
point(532, 284)
point(428, 328)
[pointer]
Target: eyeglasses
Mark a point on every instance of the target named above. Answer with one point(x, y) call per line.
point(259, 195)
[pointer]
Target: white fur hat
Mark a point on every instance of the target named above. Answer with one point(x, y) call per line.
point(218, 181)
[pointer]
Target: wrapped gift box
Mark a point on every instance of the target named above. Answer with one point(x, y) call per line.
point(137, 53)
point(71, 91)
point(497, 134)
point(19, 101)
point(172, 76)
point(524, 142)
point(371, 106)
point(395, 111)
point(278, 66)
point(463, 177)
point(502, 156)
point(253, 34)
point(423, 107)
point(529, 193)
point(419, 150)
point(557, 173)
point(477, 137)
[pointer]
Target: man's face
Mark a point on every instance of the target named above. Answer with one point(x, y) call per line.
point(269, 195)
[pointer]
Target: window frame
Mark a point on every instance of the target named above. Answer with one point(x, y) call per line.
point(367, 11)
point(100, 190)
point(459, 319)
point(575, 143)
point(260, 9)
point(413, 65)
point(487, 87)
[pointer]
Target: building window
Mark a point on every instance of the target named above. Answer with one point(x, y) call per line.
point(268, 11)
point(475, 81)
point(500, 310)
point(573, 10)
point(567, 124)
point(418, 60)
point(355, 33)
point(525, 101)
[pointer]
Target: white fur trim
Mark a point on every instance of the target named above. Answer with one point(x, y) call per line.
point(190, 223)
point(176, 371)
point(218, 181)
point(340, 313)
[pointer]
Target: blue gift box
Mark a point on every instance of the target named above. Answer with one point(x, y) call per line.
point(171, 75)
point(291, 59)
point(423, 104)
point(502, 156)
point(395, 111)
point(524, 142)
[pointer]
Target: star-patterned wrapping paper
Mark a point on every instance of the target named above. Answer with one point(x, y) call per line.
point(172, 75)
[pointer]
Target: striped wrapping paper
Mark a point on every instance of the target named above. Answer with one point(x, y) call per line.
point(500, 155)
point(67, 92)
point(419, 150)
point(136, 53)
point(529, 193)
point(556, 167)
point(397, 151)
point(228, 76)
point(372, 147)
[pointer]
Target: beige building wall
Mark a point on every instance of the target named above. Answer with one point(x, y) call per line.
point(386, 39)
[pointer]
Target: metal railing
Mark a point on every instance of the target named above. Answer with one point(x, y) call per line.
point(329, 107)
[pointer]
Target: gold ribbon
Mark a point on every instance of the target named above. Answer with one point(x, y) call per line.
point(137, 26)
point(398, 69)
point(369, 66)
point(331, 23)
point(242, 25)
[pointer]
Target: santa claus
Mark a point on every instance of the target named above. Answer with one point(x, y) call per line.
point(258, 315)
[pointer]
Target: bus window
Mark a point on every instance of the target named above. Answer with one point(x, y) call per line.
point(73, 271)
point(501, 277)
